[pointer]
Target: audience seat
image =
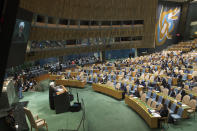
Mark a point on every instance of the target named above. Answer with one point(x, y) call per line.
point(35, 123)
point(178, 115)
point(172, 108)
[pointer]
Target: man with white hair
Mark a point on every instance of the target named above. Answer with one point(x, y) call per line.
point(20, 36)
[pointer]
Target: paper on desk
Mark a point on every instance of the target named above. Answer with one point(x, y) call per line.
point(59, 89)
point(156, 115)
point(184, 105)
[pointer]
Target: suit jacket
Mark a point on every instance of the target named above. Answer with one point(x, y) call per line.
point(163, 113)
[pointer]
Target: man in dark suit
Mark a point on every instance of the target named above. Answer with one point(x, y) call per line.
point(137, 94)
point(173, 94)
point(183, 93)
point(164, 82)
point(163, 113)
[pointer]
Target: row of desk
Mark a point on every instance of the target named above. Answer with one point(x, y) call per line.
point(103, 88)
point(72, 83)
point(142, 109)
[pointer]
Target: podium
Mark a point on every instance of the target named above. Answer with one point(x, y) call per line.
point(62, 103)
point(59, 103)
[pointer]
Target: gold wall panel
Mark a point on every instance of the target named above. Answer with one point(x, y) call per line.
point(95, 10)
point(91, 9)
point(39, 34)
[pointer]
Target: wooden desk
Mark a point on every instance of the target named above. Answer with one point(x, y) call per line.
point(72, 83)
point(142, 109)
point(107, 90)
point(42, 77)
point(55, 77)
point(74, 74)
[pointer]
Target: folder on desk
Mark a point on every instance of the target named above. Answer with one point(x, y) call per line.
point(149, 111)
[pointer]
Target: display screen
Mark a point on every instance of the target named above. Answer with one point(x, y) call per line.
point(193, 29)
point(21, 31)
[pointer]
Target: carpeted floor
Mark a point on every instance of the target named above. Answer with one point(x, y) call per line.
point(103, 113)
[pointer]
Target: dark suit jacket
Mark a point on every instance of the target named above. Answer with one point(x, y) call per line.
point(163, 113)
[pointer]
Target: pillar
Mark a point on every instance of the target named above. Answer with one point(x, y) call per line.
point(34, 20)
point(46, 20)
point(56, 21)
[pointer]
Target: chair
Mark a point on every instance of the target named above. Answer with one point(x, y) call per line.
point(128, 89)
point(91, 80)
point(161, 87)
point(176, 90)
point(178, 115)
point(149, 101)
point(178, 97)
point(68, 74)
point(184, 77)
point(127, 77)
point(78, 77)
point(194, 89)
point(109, 78)
point(159, 107)
point(96, 79)
point(160, 100)
point(172, 108)
point(118, 85)
point(114, 82)
point(186, 99)
point(125, 84)
point(150, 88)
point(133, 91)
point(165, 91)
point(192, 104)
point(148, 95)
point(143, 97)
point(187, 87)
point(38, 123)
point(167, 102)
point(114, 77)
point(170, 81)
point(154, 104)
point(154, 96)
point(164, 120)
point(191, 96)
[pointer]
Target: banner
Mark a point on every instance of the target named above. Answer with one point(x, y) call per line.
point(167, 23)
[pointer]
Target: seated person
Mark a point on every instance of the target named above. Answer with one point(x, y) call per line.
point(157, 88)
point(163, 113)
point(183, 93)
point(143, 84)
point(173, 94)
point(136, 94)
point(137, 82)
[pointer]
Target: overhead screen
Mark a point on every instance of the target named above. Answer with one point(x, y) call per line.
point(19, 43)
point(167, 24)
point(21, 32)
